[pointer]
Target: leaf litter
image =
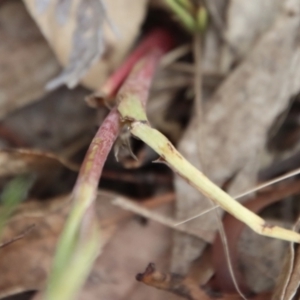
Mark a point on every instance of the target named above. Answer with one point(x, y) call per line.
point(254, 81)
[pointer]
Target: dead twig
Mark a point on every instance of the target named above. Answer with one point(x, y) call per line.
point(184, 286)
point(18, 237)
point(174, 283)
point(171, 223)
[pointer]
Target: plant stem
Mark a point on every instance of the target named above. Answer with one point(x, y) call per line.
point(137, 86)
point(185, 16)
point(156, 38)
point(80, 242)
point(169, 154)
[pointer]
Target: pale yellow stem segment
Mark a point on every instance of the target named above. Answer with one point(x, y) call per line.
point(160, 144)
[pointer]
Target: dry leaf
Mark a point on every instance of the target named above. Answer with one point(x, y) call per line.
point(129, 250)
point(20, 161)
point(185, 286)
point(79, 35)
point(47, 169)
point(26, 60)
point(246, 22)
point(236, 121)
point(26, 262)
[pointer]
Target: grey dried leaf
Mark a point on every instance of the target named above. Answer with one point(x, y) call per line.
point(87, 42)
point(246, 22)
point(62, 11)
point(42, 5)
point(78, 34)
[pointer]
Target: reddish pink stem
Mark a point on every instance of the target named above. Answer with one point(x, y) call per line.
point(157, 38)
point(139, 81)
point(98, 151)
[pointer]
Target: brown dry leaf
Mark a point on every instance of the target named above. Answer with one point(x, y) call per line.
point(26, 262)
point(79, 33)
point(47, 169)
point(235, 124)
point(186, 287)
point(26, 60)
point(19, 161)
point(131, 248)
point(174, 283)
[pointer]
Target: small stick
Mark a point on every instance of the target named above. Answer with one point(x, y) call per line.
point(174, 55)
point(148, 203)
point(18, 237)
point(171, 223)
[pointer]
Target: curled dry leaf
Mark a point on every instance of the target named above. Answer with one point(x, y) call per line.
point(19, 161)
point(132, 247)
point(24, 70)
point(79, 33)
point(236, 121)
point(185, 286)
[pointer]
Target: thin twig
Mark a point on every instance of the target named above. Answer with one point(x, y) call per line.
point(171, 223)
point(150, 203)
point(18, 237)
point(174, 55)
point(268, 183)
